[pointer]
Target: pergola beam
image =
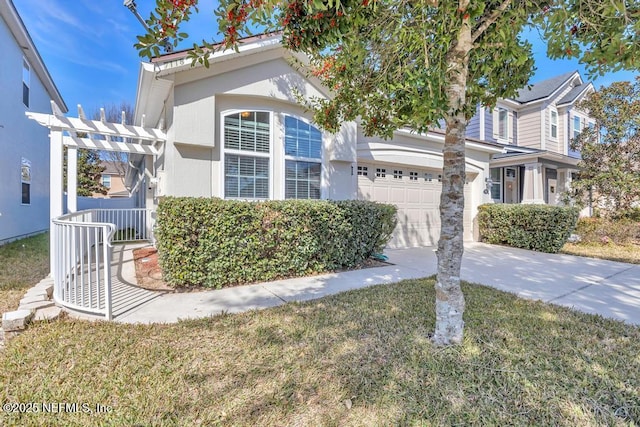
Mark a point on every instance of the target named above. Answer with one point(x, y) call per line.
point(97, 127)
point(106, 145)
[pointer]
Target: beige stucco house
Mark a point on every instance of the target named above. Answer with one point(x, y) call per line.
point(112, 179)
point(236, 130)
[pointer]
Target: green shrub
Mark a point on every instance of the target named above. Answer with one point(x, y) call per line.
point(537, 227)
point(604, 230)
point(216, 243)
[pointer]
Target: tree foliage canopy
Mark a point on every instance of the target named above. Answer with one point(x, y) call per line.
point(611, 150)
point(89, 172)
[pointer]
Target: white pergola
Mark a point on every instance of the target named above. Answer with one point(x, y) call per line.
point(80, 132)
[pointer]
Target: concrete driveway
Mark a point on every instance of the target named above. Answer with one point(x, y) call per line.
point(608, 288)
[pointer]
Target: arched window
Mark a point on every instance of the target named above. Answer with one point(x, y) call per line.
point(303, 159)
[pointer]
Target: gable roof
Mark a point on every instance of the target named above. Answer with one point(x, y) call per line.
point(14, 23)
point(575, 93)
point(543, 89)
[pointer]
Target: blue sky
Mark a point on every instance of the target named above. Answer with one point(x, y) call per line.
point(87, 46)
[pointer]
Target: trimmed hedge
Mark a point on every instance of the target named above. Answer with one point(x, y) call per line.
point(536, 227)
point(216, 243)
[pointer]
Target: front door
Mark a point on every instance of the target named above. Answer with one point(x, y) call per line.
point(511, 186)
point(552, 191)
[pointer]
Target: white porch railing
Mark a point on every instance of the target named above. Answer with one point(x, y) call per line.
point(82, 255)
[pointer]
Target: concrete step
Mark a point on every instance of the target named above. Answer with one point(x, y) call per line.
point(36, 305)
point(47, 313)
point(16, 320)
point(36, 298)
point(33, 292)
point(47, 287)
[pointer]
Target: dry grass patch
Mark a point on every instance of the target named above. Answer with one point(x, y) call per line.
point(23, 263)
point(357, 358)
point(615, 252)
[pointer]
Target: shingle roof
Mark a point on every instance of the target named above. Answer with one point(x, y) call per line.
point(542, 89)
point(573, 93)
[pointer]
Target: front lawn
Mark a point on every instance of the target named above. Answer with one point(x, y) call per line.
point(612, 239)
point(23, 263)
point(357, 358)
point(615, 252)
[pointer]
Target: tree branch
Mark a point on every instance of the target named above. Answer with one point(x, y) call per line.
point(493, 17)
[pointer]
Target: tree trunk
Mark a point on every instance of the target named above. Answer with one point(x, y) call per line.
point(449, 298)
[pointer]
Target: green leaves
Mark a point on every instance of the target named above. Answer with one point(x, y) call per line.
point(536, 227)
point(217, 243)
point(602, 34)
point(610, 166)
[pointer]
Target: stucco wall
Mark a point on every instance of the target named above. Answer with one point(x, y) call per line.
point(192, 161)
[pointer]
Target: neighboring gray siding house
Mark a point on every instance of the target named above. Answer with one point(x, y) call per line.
point(235, 130)
point(535, 127)
point(25, 85)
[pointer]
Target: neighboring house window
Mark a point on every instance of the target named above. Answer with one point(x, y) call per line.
point(428, 177)
point(413, 176)
point(303, 159)
point(381, 173)
point(26, 79)
point(25, 178)
point(397, 174)
point(554, 124)
point(503, 123)
point(363, 170)
point(106, 181)
point(247, 137)
point(576, 126)
point(496, 187)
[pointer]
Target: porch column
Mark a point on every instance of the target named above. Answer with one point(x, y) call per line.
point(72, 179)
point(533, 184)
point(56, 187)
point(564, 180)
point(149, 192)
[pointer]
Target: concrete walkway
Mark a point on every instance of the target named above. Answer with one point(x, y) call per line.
point(608, 288)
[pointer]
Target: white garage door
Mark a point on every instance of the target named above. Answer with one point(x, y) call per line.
point(416, 193)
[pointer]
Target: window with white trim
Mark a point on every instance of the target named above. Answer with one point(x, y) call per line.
point(428, 177)
point(247, 148)
point(576, 126)
point(553, 126)
point(496, 184)
point(363, 171)
point(25, 179)
point(303, 159)
point(381, 173)
point(413, 176)
point(503, 123)
point(26, 82)
point(106, 181)
point(397, 174)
